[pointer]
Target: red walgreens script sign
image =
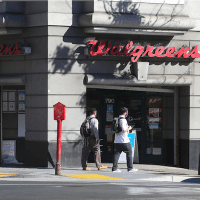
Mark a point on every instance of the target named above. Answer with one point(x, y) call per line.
point(9, 49)
point(140, 51)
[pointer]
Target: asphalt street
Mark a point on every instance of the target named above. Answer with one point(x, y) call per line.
point(158, 182)
point(34, 190)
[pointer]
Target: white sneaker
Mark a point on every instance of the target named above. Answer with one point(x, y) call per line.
point(117, 170)
point(133, 170)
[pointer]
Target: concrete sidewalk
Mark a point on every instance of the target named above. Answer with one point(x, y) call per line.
point(145, 173)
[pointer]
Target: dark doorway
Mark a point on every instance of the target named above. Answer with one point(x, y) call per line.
point(147, 125)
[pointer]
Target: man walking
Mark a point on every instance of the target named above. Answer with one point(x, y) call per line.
point(91, 143)
point(122, 143)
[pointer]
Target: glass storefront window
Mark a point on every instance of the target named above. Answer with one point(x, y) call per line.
point(154, 125)
point(134, 112)
point(134, 116)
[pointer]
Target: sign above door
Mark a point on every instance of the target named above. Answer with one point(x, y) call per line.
point(105, 48)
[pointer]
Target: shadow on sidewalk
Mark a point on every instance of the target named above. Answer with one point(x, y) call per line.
point(13, 165)
point(20, 165)
point(192, 180)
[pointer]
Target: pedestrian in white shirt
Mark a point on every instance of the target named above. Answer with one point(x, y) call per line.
point(122, 143)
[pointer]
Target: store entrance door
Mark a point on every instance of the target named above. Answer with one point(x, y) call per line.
point(136, 117)
point(112, 104)
point(143, 113)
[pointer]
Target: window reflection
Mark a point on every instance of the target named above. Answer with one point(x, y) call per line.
point(153, 125)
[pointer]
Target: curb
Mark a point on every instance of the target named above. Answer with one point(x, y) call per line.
point(175, 179)
point(172, 179)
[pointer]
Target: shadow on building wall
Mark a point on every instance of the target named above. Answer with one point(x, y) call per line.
point(70, 58)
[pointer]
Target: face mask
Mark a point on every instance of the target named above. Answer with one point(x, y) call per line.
point(126, 115)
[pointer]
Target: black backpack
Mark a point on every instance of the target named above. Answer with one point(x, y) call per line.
point(84, 130)
point(115, 126)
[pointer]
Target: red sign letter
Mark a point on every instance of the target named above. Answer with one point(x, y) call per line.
point(137, 54)
point(149, 50)
point(169, 52)
point(160, 50)
point(93, 42)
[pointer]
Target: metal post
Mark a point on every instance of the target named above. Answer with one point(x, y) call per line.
point(176, 126)
point(58, 154)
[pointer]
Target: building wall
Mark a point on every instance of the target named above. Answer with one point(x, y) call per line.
point(193, 93)
point(134, 7)
point(65, 79)
point(32, 148)
point(67, 66)
point(56, 68)
point(36, 69)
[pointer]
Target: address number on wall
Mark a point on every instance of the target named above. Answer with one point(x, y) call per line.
point(110, 100)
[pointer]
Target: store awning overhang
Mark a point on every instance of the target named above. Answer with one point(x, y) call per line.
point(12, 80)
point(131, 83)
point(135, 24)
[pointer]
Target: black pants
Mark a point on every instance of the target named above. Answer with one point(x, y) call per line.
point(126, 148)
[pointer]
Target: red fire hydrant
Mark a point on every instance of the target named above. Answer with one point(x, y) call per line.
point(59, 115)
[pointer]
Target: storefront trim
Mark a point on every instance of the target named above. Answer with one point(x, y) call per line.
point(12, 80)
point(1, 129)
point(11, 20)
point(136, 21)
point(176, 126)
point(171, 80)
point(133, 31)
point(12, 23)
point(131, 88)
